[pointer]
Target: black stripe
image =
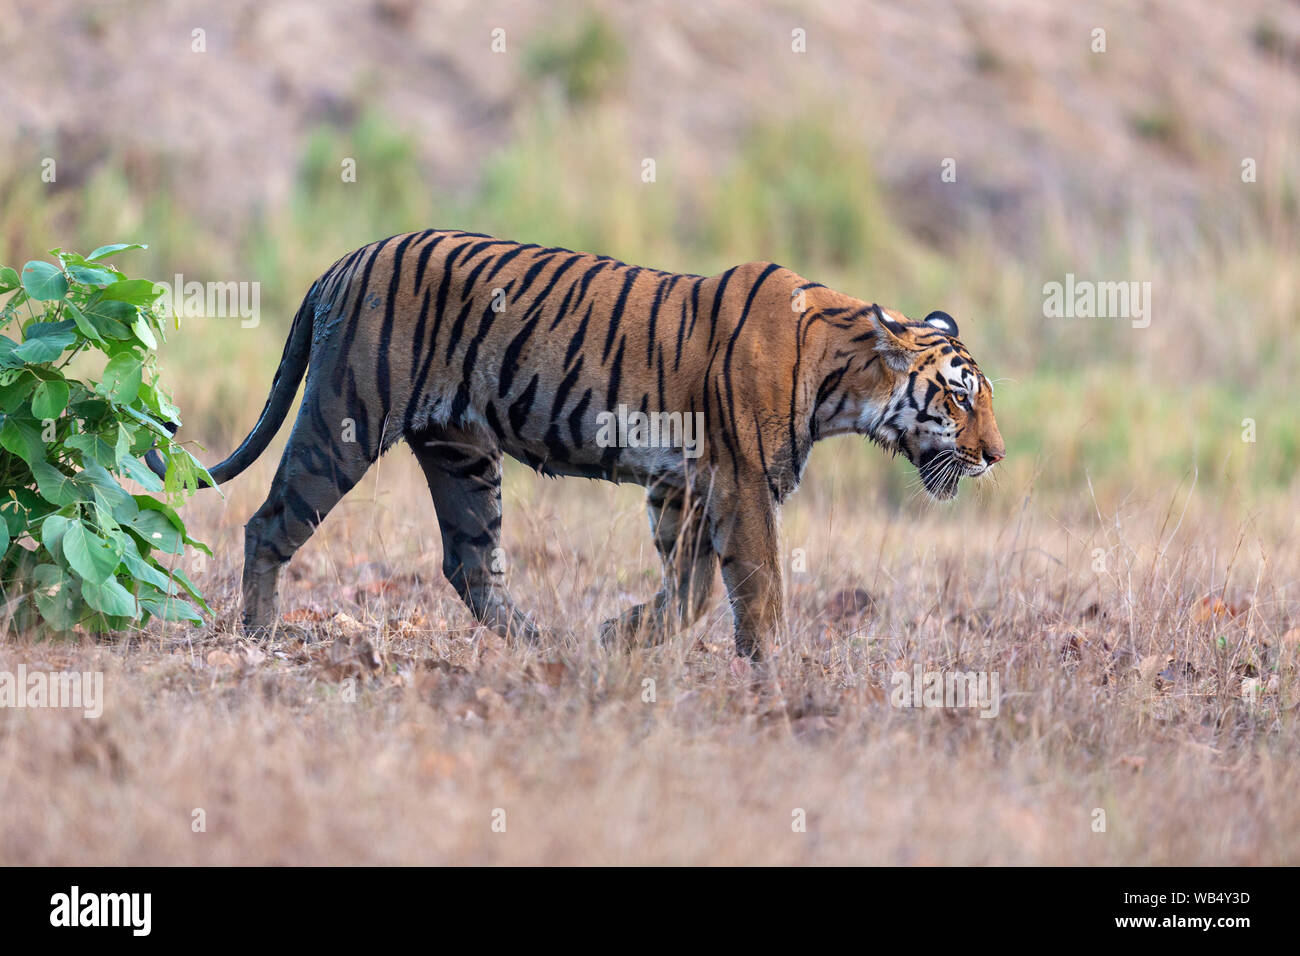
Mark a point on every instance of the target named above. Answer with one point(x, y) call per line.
point(425, 251)
point(418, 347)
point(562, 312)
point(458, 327)
point(506, 258)
point(383, 369)
point(521, 406)
point(579, 336)
point(681, 329)
point(731, 344)
point(510, 362)
point(469, 286)
point(619, 305)
point(575, 418)
point(611, 395)
point(717, 302)
point(543, 297)
point(529, 278)
point(494, 422)
point(591, 274)
point(566, 386)
point(664, 286)
point(350, 332)
point(484, 326)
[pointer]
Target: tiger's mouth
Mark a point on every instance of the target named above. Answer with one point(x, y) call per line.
point(940, 471)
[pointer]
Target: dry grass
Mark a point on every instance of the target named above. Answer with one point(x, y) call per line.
point(448, 724)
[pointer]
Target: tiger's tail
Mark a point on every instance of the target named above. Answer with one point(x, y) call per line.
point(284, 387)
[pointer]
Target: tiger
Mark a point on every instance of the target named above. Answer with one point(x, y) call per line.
point(470, 348)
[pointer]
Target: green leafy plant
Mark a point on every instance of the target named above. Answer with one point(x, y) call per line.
point(79, 549)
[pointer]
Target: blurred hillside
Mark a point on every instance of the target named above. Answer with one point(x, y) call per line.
point(1114, 166)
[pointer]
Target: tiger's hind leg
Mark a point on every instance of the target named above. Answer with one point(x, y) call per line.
point(315, 473)
point(463, 471)
point(682, 539)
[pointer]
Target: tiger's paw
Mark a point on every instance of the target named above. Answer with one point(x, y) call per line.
point(514, 626)
point(631, 629)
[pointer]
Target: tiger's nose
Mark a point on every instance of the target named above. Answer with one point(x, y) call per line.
point(995, 455)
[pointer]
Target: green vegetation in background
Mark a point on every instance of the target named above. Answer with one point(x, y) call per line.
point(586, 57)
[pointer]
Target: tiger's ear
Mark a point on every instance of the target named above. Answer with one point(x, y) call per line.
point(943, 322)
point(892, 340)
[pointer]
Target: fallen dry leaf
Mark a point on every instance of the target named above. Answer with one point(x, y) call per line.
point(347, 624)
point(1213, 608)
point(351, 657)
point(551, 673)
point(253, 655)
point(223, 661)
point(305, 615)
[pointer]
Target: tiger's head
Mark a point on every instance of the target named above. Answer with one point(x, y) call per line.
point(934, 406)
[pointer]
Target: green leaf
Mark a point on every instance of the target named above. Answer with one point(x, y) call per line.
point(142, 332)
point(44, 281)
point(58, 597)
point(103, 252)
point(171, 609)
point(55, 487)
point(84, 325)
point(53, 530)
point(15, 393)
point(103, 488)
point(140, 473)
point(109, 597)
point(45, 341)
point(122, 447)
point(8, 279)
point(132, 291)
point(89, 276)
point(190, 588)
point(143, 570)
point(50, 399)
point(20, 438)
point(184, 471)
point(145, 420)
point(156, 529)
point(93, 557)
point(94, 449)
point(109, 317)
point(158, 401)
point(123, 376)
point(7, 347)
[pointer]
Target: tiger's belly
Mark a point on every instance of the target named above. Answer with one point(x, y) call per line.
point(635, 464)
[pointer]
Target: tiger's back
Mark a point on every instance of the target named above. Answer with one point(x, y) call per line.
point(532, 344)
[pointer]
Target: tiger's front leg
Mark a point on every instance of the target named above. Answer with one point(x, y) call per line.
point(745, 530)
point(682, 540)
